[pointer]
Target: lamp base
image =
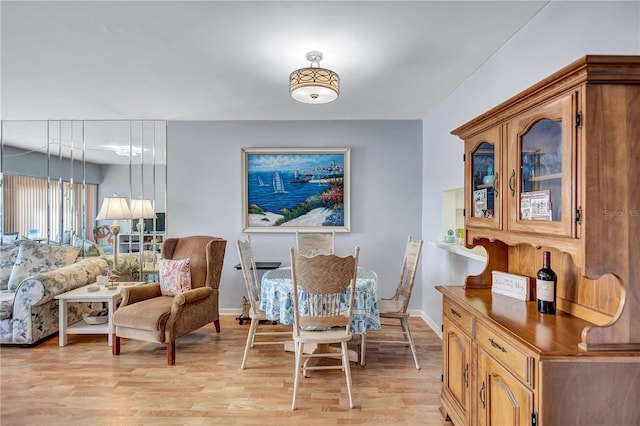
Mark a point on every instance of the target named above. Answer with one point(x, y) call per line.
point(115, 230)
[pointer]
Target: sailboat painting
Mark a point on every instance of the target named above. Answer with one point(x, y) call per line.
point(289, 189)
point(278, 186)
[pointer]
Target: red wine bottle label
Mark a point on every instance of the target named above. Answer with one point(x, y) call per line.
point(545, 290)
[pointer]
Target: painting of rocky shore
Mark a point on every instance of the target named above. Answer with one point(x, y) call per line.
point(289, 189)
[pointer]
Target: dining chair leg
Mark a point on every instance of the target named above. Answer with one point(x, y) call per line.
point(363, 349)
point(347, 371)
point(296, 378)
point(250, 339)
point(407, 330)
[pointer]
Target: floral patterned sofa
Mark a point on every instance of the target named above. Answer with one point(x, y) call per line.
point(28, 310)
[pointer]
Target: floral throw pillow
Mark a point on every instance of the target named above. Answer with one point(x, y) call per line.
point(8, 256)
point(87, 248)
point(34, 257)
point(175, 276)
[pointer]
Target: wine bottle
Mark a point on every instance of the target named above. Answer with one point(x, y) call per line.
point(546, 286)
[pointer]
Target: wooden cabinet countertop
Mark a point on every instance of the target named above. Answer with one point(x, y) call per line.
point(546, 335)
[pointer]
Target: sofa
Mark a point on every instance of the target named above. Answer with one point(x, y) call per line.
point(28, 308)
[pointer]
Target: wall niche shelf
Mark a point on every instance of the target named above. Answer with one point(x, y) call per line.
point(477, 253)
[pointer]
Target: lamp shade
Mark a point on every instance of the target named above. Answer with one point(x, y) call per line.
point(142, 209)
point(314, 85)
point(114, 208)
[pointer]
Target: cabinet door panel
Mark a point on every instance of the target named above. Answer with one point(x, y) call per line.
point(502, 399)
point(483, 173)
point(457, 374)
point(542, 169)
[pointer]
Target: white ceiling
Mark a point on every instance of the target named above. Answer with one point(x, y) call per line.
point(217, 60)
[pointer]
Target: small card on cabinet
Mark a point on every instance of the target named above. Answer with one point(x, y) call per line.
point(516, 286)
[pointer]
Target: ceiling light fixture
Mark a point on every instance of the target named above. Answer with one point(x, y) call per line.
point(314, 85)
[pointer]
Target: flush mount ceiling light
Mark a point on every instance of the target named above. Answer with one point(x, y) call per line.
point(314, 85)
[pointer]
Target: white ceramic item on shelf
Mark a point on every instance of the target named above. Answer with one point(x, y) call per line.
point(489, 179)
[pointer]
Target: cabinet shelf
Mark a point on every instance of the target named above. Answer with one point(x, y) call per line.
point(477, 253)
point(546, 177)
point(130, 243)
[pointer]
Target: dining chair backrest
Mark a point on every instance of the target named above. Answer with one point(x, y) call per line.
point(249, 271)
point(408, 273)
point(323, 278)
point(310, 243)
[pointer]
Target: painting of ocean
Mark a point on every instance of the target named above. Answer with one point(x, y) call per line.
point(287, 188)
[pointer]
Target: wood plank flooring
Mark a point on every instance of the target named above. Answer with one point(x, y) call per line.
point(84, 384)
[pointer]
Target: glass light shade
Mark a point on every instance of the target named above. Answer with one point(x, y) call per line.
point(314, 85)
point(114, 208)
point(142, 209)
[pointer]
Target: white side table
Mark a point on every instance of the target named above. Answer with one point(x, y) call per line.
point(81, 294)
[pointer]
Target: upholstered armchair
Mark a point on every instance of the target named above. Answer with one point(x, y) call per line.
point(146, 314)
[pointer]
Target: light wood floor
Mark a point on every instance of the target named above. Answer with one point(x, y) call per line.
point(83, 384)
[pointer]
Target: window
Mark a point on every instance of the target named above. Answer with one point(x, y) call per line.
point(39, 208)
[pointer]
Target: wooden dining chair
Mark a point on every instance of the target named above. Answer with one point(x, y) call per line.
point(323, 314)
point(395, 308)
point(310, 243)
point(256, 315)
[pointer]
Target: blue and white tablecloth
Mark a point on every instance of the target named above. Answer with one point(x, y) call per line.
point(276, 299)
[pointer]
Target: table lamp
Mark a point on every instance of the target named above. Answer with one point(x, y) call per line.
point(142, 209)
point(114, 208)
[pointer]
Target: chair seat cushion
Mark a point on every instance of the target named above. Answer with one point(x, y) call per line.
point(390, 306)
point(151, 314)
point(332, 335)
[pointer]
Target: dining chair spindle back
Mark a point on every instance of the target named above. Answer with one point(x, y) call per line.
point(252, 284)
point(396, 307)
point(323, 312)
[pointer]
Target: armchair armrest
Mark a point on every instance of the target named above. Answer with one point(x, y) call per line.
point(189, 311)
point(191, 296)
point(139, 293)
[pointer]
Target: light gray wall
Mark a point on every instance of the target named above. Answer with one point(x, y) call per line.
point(204, 190)
point(561, 33)
point(19, 161)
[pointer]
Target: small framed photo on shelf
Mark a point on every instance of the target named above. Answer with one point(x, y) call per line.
point(535, 205)
point(479, 202)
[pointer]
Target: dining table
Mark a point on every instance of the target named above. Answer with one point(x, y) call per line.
point(276, 300)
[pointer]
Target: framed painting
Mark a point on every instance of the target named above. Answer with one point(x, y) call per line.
point(290, 189)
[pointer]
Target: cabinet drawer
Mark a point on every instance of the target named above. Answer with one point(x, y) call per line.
point(505, 353)
point(458, 316)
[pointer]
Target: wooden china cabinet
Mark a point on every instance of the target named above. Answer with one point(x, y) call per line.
point(555, 168)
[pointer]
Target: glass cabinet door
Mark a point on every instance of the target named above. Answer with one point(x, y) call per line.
point(482, 171)
point(540, 178)
point(541, 171)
